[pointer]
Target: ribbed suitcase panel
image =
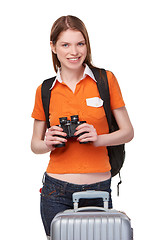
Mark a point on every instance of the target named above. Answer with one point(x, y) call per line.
point(91, 228)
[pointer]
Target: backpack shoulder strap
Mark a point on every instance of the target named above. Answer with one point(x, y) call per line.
point(116, 153)
point(103, 88)
point(46, 93)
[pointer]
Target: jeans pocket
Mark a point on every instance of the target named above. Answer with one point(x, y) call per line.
point(48, 189)
point(52, 190)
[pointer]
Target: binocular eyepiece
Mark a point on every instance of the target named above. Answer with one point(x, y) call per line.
point(74, 119)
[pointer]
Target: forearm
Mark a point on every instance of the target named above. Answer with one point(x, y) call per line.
point(38, 142)
point(123, 135)
point(115, 138)
point(39, 146)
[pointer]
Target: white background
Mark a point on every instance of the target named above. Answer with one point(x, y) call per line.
point(125, 39)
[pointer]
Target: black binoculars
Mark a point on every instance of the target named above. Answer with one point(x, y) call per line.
point(69, 127)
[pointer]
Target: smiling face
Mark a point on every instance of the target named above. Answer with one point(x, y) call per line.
point(71, 49)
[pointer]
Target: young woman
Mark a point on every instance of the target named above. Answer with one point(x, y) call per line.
point(76, 167)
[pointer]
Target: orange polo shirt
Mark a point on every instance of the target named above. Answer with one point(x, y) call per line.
point(76, 157)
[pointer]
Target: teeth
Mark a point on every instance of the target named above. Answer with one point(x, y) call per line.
point(73, 59)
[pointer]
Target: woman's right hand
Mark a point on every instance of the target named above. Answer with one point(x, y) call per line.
point(54, 135)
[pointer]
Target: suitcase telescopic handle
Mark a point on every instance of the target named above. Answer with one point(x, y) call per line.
point(90, 194)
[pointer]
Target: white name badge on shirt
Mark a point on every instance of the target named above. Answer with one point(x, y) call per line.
point(94, 102)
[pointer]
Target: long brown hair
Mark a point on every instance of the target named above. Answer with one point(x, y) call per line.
point(62, 24)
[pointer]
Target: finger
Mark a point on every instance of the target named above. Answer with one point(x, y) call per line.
point(88, 139)
point(55, 132)
point(59, 133)
point(55, 128)
point(83, 136)
point(83, 125)
point(83, 129)
point(58, 142)
point(50, 144)
point(88, 129)
point(56, 138)
point(86, 135)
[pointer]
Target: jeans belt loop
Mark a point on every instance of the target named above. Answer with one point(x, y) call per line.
point(99, 186)
point(64, 187)
point(43, 178)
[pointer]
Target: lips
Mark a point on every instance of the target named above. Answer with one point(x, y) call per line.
point(74, 59)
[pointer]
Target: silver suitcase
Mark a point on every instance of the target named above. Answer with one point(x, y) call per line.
point(91, 223)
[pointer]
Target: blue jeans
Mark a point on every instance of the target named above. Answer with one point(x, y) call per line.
point(56, 196)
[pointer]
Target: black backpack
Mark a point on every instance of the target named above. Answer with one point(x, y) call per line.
point(116, 153)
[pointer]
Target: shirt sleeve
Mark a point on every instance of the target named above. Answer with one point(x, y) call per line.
point(38, 111)
point(116, 99)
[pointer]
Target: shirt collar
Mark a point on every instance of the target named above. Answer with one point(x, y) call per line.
point(87, 71)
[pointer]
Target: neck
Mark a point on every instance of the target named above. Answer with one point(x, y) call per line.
point(68, 75)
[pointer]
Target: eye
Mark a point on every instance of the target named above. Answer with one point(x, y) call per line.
point(81, 43)
point(65, 45)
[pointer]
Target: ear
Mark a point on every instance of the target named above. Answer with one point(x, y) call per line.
point(53, 47)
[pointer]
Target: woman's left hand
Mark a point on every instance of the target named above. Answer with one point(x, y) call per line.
point(90, 134)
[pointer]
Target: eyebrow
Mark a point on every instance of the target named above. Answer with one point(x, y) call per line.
point(82, 40)
point(78, 41)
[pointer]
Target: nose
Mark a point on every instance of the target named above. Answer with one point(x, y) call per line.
point(74, 50)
